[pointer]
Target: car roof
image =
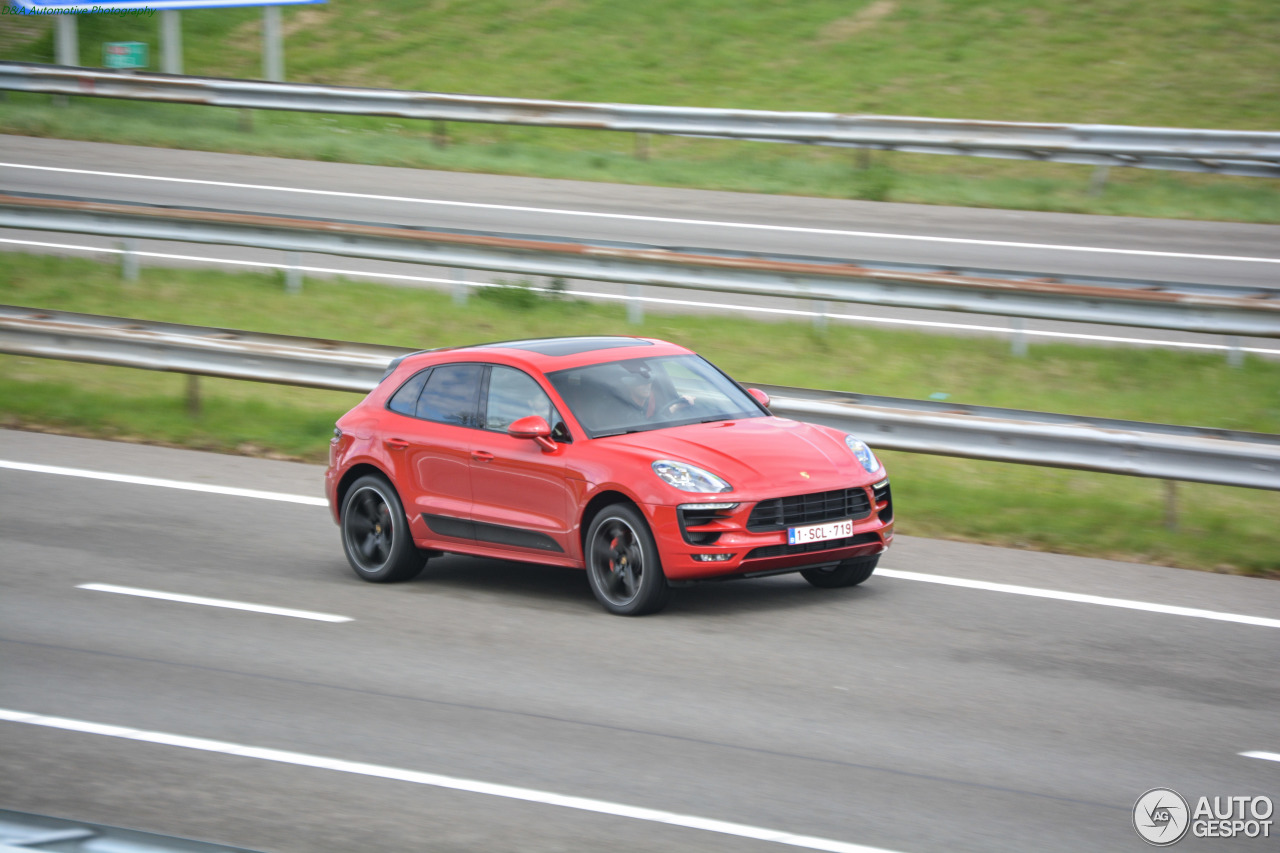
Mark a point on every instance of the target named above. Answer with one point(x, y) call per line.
point(550, 354)
point(569, 346)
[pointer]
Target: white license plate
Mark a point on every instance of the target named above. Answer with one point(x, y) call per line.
point(819, 532)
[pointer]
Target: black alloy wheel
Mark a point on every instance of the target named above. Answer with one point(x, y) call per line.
point(622, 563)
point(375, 533)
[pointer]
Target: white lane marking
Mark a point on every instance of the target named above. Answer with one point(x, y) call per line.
point(1081, 598)
point(434, 780)
point(214, 602)
point(888, 573)
point(654, 300)
point(1265, 756)
point(167, 484)
point(666, 220)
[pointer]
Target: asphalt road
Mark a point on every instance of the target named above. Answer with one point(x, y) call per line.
point(1058, 243)
point(1054, 244)
point(904, 715)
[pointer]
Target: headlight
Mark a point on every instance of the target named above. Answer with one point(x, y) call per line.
point(689, 478)
point(864, 454)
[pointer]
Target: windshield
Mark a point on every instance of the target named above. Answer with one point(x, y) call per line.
point(651, 393)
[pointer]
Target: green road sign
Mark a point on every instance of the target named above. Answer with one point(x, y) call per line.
point(124, 54)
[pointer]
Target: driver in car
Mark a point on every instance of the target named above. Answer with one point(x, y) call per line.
point(642, 394)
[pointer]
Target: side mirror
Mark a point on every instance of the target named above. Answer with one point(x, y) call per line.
point(534, 427)
point(759, 396)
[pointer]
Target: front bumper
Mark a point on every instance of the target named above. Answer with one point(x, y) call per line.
point(724, 543)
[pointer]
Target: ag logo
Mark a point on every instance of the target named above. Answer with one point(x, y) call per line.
point(1161, 817)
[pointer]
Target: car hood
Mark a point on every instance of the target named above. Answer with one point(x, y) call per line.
point(756, 453)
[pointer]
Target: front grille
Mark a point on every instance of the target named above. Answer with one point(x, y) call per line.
point(807, 547)
point(778, 513)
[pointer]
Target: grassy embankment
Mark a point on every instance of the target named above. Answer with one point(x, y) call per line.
point(1068, 511)
point(1176, 63)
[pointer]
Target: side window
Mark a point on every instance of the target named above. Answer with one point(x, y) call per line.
point(451, 394)
point(405, 401)
point(514, 395)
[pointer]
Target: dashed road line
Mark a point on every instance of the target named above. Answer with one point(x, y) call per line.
point(1082, 598)
point(163, 483)
point(214, 602)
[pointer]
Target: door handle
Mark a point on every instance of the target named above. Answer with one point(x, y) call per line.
point(396, 443)
point(482, 456)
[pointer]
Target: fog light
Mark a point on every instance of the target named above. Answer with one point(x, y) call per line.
point(712, 558)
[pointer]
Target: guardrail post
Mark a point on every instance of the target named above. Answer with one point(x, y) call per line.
point(129, 262)
point(460, 286)
point(439, 134)
point(820, 317)
point(635, 308)
point(193, 394)
point(1235, 355)
point(292, 273)
point(66, 48)
point(1018, 340)
point(1171, 504)
point(1099, 180)
point(642, 146)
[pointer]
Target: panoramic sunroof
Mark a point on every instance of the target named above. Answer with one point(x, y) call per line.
point(571, 346)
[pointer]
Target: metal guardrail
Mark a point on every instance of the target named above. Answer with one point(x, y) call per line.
point(1193, 454)
point(1204, 308)
point(1007, 435)
point(197, 350)
point(1228, 152)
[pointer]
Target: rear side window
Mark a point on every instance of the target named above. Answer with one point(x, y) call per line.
point(451, 394)
point(405, 401)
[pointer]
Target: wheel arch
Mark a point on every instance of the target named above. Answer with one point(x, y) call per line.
point(608, 497)
point(355, 472)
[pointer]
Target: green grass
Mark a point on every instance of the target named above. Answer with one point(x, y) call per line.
point(1177, 63)
point(1067, 511)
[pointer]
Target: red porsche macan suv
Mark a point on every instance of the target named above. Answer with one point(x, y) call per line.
point(633, 458)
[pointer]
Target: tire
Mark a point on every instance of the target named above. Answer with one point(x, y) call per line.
point(375, 533)
point(846, 573)
point(623, 567)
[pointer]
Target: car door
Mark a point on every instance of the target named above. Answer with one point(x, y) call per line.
point(434, 438)
point(520, 497)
